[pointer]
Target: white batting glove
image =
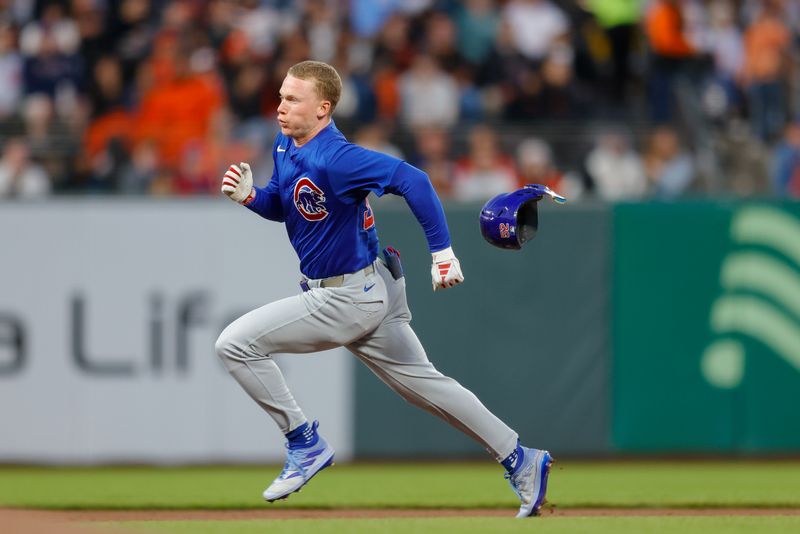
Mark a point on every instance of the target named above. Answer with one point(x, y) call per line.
point(238, 183)
point(446, 269)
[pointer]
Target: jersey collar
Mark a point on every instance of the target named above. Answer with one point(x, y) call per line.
point(329, 131)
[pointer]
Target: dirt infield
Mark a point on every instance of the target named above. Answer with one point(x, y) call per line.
point(232, 515)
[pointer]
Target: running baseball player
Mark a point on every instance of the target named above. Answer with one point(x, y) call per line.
point(351, 296)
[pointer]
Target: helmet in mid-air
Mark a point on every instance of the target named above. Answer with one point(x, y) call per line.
point(510, 219)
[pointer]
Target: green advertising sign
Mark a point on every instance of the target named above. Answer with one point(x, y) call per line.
point(706, 329)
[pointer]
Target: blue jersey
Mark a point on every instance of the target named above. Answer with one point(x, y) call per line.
point(319, 190)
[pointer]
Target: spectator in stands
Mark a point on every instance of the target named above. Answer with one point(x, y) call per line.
point(375, 136)
point(52, 65)
point(263, 26)
point(18, 12)
point(95, 42)
point(132, 28)
point(671, 54)
point(559, 98)
point(619, 21)
point(441, 42)
point(525, 99)
point(52, 72)
point(485, 171)
point(368, 17)
point(10, 71)
point(616, 171)
point(436, 66)
point(106, 88)
point(323, 29)
point(19, 176)
point(394, 45)
point(179, 109)
point(53, 26)
point(767, 42)
point(669, 168)
point(141, 174)
point(51, 140)
point(106, 147)
point(726, 46)
point(432, 145)
point(246, 99)
point(477, 22)
point(536, 165)
point(536, 26)
point(428, 95)
point(785, 164)
point(246, 91)
point(505, 76)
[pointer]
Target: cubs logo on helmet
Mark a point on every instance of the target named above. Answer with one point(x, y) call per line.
point(309, 200)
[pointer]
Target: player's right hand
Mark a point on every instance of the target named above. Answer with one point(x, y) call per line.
point(238, 183)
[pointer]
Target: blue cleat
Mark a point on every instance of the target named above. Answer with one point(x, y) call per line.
point(300, 467)
point(530, 481)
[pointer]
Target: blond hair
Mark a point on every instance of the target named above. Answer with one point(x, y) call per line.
point(327, 82)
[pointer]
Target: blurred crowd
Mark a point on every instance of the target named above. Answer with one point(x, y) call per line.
point(610, 99)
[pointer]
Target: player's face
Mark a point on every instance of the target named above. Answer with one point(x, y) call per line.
point(301, 112)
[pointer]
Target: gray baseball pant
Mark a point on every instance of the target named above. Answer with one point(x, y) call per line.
point(374, 325)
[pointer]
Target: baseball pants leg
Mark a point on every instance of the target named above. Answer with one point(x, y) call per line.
point(316, 320)
point(396, 356)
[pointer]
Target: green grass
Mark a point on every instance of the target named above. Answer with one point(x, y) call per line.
point(617, 525)
point(572, 484)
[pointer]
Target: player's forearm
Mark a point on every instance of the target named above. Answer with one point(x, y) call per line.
point(415, 186)
point(267, 205)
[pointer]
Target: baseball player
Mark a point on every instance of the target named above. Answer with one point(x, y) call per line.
point(351, 296)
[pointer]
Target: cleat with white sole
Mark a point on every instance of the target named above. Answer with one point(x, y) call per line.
point(530, 481)
point(300, 467)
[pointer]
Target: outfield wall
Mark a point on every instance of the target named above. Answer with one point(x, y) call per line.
point(633, 328)
point(108, 315)
point(527, 332)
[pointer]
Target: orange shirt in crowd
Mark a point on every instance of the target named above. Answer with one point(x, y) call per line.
point(765, 44)
point(664, 28)
point(176, 112)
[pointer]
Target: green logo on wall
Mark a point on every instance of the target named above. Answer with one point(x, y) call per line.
point(761, 294)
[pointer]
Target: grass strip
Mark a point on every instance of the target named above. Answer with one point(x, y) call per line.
point(426, 486)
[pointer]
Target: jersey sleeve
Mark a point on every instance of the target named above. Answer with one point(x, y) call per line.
point(354, 172)
point(415, 186)
point(267, 201)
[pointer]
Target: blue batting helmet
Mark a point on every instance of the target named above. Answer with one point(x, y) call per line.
point(510, 219)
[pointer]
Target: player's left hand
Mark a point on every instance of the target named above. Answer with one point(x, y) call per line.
point(446, 269)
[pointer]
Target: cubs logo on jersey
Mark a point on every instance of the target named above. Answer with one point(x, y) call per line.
point(309, 200)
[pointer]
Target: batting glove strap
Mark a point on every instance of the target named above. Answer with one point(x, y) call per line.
point(238, 183)
point(446, 269)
